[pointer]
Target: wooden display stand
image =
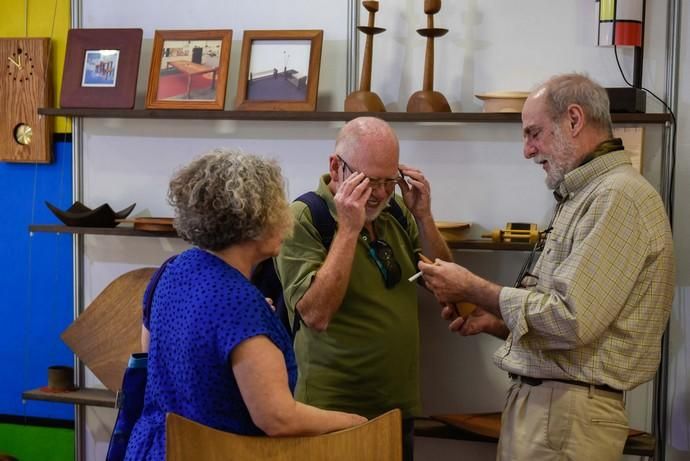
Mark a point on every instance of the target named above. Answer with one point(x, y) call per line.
point(428, 100)
point(365, 100)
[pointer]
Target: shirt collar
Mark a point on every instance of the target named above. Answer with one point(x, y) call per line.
point(594, 165)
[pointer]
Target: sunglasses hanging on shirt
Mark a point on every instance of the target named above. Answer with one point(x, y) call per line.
point(382, 255)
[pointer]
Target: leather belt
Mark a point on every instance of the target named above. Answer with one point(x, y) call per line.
point(538, 381)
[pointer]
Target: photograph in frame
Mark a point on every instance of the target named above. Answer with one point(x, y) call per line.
point(189, 69)
point(101, 68)
point(279, 70)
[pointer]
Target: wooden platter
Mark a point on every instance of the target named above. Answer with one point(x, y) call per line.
point(151, 224)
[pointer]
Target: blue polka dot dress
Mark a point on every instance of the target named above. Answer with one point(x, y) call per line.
point(202, 308)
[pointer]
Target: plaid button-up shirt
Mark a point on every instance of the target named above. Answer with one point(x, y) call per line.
point(604, 286)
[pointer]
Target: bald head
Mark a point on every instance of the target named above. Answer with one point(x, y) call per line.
point(368, 141)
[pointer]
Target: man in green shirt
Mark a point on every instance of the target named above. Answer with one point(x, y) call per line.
point(359, 351)
point(586, 323)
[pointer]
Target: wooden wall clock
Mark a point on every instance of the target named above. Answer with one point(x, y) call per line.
point(25, 136)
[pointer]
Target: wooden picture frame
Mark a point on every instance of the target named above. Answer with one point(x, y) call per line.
point(279, 70)
point(189, 69)
point(101, 68)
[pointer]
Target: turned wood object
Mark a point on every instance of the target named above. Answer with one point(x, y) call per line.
point(364, 100)
point(428, 100)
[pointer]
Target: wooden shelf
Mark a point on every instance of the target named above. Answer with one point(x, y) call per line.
point(86, 396)
point(128, 231)
point(435, 117)
point(639, 444)
point(427, 427)
point(489, 245)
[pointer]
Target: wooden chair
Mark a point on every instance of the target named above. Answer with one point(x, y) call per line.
point(377, 440)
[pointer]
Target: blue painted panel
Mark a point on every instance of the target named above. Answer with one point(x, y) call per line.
point(35, 282)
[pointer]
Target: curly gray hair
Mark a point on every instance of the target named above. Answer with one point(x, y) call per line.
point(566, 89)
point(226, 197)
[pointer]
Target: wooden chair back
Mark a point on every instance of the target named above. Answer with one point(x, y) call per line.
point(109, 330)
point(377, 440)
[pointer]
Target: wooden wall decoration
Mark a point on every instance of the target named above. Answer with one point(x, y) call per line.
point(25, 136)
point(109, 330)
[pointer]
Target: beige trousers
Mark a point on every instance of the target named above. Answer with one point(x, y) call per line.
point(560, 421)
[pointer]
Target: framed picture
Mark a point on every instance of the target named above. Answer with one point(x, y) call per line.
point(101, 68)
point(189, 69)
point(279, 70)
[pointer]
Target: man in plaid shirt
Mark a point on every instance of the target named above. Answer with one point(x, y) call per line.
point(585, 324)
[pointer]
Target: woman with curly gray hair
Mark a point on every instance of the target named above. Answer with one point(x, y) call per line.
point(218, 354)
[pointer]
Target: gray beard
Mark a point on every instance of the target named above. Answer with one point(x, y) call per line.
point(562, 167)
point(372, 215)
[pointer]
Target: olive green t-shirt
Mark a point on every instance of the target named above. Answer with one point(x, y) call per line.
point(367, 360)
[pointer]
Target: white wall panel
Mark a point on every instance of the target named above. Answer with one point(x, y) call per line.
point(214, 14)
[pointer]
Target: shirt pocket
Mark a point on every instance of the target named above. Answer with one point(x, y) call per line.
point(553, 255)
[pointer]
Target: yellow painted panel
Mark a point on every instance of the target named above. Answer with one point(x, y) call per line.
point(44, 17)
point(607, 11)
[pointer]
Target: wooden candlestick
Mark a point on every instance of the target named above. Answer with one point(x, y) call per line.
point(364, 100)
point(428, 100)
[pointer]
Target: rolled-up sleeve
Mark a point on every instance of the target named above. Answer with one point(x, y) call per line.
point(301, 256)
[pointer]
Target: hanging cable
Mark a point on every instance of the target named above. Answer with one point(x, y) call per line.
point(672, 179)
point(29, 298)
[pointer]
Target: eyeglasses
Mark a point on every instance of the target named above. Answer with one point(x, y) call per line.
point(382, 254)
point(525, 278)
point(386, 183)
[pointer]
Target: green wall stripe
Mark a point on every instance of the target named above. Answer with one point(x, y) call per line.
point(33, 443)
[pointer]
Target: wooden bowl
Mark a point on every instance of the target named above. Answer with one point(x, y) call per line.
point(79, 215)
point(154, 224)
point(452, 231)
point(503, 101)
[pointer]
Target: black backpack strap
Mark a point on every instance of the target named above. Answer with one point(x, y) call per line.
point(326, 225)
point(398, 214)
point(320, 215)
point(151, 288)
point(265, 278)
